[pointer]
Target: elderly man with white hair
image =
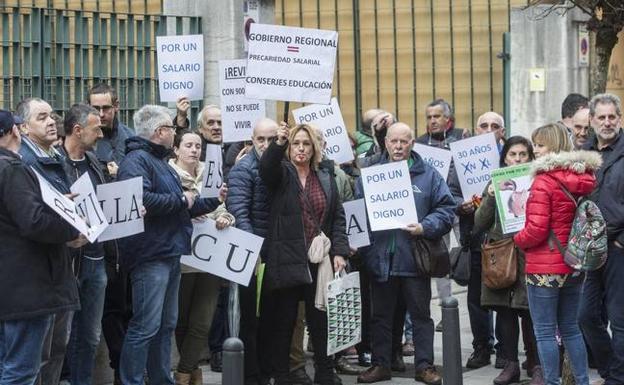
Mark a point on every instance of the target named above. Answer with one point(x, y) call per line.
point(153, 257)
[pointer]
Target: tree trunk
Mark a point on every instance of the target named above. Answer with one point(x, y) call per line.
point(604, 41)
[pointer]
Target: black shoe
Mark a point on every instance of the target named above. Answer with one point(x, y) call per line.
point(398, 365)
point(479, 358)
point(216, 362)
point(364, 359)
point(343, 366)
point(299, 377)
point(327, 378)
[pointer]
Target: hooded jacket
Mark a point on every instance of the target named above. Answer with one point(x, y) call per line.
point(435, 207)
point(36, 277)
point(548, 207)
point(167, 222)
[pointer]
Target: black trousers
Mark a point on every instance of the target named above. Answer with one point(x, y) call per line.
point(117, 311)
point(285, 303)
point(249, 327)
point(509, 332)
point(416, 292)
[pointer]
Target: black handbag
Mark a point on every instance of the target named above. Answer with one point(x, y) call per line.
point(431, 257)
point(460, 265)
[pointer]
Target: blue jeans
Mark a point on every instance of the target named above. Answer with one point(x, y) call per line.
point(87, 323)
point(21, 345)
point(552, 309)
point(147, 344)
point(605, 286)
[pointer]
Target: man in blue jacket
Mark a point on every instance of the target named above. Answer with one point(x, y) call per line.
point(153, 257)
point(390, 261)
point(250, 204)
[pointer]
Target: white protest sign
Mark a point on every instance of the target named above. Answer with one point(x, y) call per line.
point(290, 63)
point(213, 174)
point(475, 158)
point(436, 157)
point(355, 215)
point(121, 203)
point(62, 205)
point(88, 206)
point(229, 253)
point(389, 196)
point(329, 120)
point(238, 113)
point(180, 67)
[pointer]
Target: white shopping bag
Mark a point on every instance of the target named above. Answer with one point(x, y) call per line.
point(344, 312)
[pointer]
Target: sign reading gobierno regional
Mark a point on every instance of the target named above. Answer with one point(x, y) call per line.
point(180, 67)
point(290, 63)
point(238, 113)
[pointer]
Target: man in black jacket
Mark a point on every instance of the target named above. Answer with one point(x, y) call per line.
point(36, 278)
point(82, 131)
point(606, 284)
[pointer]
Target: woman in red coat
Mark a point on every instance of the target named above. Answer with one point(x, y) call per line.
point(554, 288)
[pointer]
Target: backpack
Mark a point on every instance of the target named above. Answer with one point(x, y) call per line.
point(587, 243)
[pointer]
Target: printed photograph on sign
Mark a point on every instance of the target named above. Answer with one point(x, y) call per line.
point(180, 67)
point(511, 190)
point(290, 63)
point(475, 158)
point(238, 113)
point(389, 196)
point(328, 119)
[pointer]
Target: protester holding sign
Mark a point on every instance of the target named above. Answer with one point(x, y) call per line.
point(390, 259)
point(509, 303)
point(33, 247)
point(82, 131)
point(305, 203)
point(553, 287)
point(153, 257)
point(198, 291)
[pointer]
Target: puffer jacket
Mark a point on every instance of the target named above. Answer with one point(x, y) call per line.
point(167, 222)
point(112, 147)
point(247, 198)
point(548, 207)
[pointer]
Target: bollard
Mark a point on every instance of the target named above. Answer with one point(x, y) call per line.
point(451, 343)
point(233, 362)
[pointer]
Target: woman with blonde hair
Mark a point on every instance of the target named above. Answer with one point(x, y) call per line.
point(553, 287)
point(305, 244)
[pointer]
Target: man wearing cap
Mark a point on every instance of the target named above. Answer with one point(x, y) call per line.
point(36, 275)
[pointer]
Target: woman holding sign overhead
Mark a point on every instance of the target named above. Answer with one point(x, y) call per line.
point(510, 303)
point(198, 291)
point(306, 220)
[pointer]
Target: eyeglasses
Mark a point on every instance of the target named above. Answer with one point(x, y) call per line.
point(168, 127)
point(106, 108)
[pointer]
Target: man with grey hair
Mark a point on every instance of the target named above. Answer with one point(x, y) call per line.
point(153, 257)
point(606, 284)
point(492, 122)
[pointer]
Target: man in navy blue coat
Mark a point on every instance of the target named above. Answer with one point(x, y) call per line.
point(153, 257)
point(390, 262)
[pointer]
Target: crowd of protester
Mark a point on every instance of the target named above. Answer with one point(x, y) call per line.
point(61, 293)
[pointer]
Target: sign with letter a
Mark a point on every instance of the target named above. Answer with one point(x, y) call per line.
point(475, 158)
point(180, 67)
point(355, 215)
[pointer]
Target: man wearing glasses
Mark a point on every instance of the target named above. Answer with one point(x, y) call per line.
point(152, 257)
point(492, 122)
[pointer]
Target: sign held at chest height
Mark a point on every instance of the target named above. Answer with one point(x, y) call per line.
point(213, 174)
point(475, 158)
point(121, 203)
point(436, 157)
point(329, 120)
point(355, 215)
point(88, 206)
point(389, 196)
point(290, 63)
point(239, 113)
point(229, 253)
point(180, 67)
